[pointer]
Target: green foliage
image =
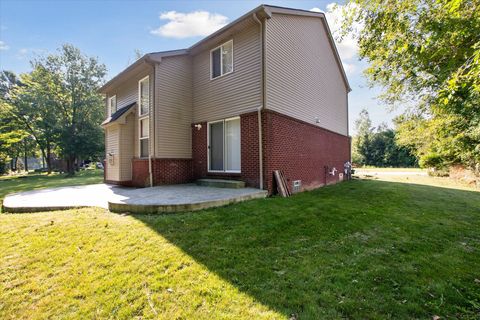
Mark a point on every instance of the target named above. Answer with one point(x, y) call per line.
point(431, 160)
point(378, 147)
point(426, 52)
point(363, 249)
point(59, 105)
point(14, 139)
point(361, 142)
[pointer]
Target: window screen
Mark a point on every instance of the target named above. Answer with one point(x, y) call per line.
point(216, 63)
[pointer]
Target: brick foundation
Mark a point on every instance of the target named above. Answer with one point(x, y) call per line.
point(165, 171)
point(127, 183)
point(249, 152)
point(140, 175)
point(302, 151)
point(172, 171)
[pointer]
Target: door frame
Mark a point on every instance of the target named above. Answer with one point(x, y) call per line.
point(224, 149)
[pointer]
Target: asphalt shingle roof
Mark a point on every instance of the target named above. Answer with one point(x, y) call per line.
point(118, 114)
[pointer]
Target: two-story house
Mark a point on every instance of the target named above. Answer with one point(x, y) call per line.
point(266, 92)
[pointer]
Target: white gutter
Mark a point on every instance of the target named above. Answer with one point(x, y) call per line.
point(259, 110)
point(151, 147)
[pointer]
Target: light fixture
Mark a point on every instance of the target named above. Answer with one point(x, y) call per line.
point(198, 126)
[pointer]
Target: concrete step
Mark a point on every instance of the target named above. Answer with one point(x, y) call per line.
point(221, 183)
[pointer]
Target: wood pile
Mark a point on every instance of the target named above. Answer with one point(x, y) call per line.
point(282, 187)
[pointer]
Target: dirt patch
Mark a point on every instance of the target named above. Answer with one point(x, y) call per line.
point(464, 175)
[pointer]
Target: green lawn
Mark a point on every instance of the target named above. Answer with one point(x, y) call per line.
point(380, 169)
point(11, 184)
point(365, 249)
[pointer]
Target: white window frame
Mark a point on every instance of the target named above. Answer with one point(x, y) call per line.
point(141, 117)
point(140, 97)
point(221, 61)
point(224, 149)
point(140, 138)
point(109, 105)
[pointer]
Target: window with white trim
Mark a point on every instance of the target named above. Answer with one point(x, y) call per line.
point(224, 148)
point(221, 60)
point(144, 96)
point(143, 118)
point(112, 105)
point(143, 136)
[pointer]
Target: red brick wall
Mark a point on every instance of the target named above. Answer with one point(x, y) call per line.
point(199, 151)
point(140, 175)
point(249, 149)
point(301, 150)
point(172, 171)
point(249, 152)
point(165, 171)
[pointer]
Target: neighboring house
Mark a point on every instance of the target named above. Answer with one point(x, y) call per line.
point(266, 92)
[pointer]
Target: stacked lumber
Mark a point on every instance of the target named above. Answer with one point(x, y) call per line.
point(282, 187)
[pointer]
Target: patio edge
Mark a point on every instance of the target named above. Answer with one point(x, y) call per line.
point(118, 207)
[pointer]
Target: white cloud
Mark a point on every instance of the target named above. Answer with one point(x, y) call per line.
point(3, 46)
point(192, 24)
point(316, 9)
point(348, 46)
point(28, 53)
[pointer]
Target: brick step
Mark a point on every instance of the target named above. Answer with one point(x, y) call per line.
point(220, 183)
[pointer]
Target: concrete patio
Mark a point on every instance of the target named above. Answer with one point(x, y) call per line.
point(160, 199)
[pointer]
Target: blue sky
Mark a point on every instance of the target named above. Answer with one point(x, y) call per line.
point(113, 30)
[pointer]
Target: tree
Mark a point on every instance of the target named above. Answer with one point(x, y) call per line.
point(59, 104)
point(34, 110)
point(14, 138)
point(426, 53)
point(361, 153)
point(378, 146)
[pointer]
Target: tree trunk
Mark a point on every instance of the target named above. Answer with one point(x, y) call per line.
point(14, 164)
point(25, 155)
point(49, 158)
point(71, 165)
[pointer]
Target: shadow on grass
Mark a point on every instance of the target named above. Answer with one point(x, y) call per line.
point(362, 249)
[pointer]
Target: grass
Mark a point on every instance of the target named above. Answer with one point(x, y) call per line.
point(364, 249)
point(11, 184)
point(380, 169)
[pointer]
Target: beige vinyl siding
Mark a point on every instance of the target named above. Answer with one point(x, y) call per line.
point(126, 136)
point(112, 139)
point(127, 91)
point(303, 78)
point(173, 84)
point(235, 93)
point(136, 145)
point(119, 142)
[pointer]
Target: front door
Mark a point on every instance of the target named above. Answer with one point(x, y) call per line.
point(224, 145)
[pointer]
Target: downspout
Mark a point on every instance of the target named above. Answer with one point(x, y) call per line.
point(259, 110)
point(151, 148)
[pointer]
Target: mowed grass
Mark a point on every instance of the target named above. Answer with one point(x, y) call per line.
point(12, 184)
point(364, 249)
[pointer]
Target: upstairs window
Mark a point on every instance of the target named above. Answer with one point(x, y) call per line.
point(112, 105)
point(221, 60)
point(144, 96)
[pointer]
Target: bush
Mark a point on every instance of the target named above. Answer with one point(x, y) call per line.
point(432, 160)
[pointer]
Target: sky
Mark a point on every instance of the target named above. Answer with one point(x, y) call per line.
point(113, 31)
